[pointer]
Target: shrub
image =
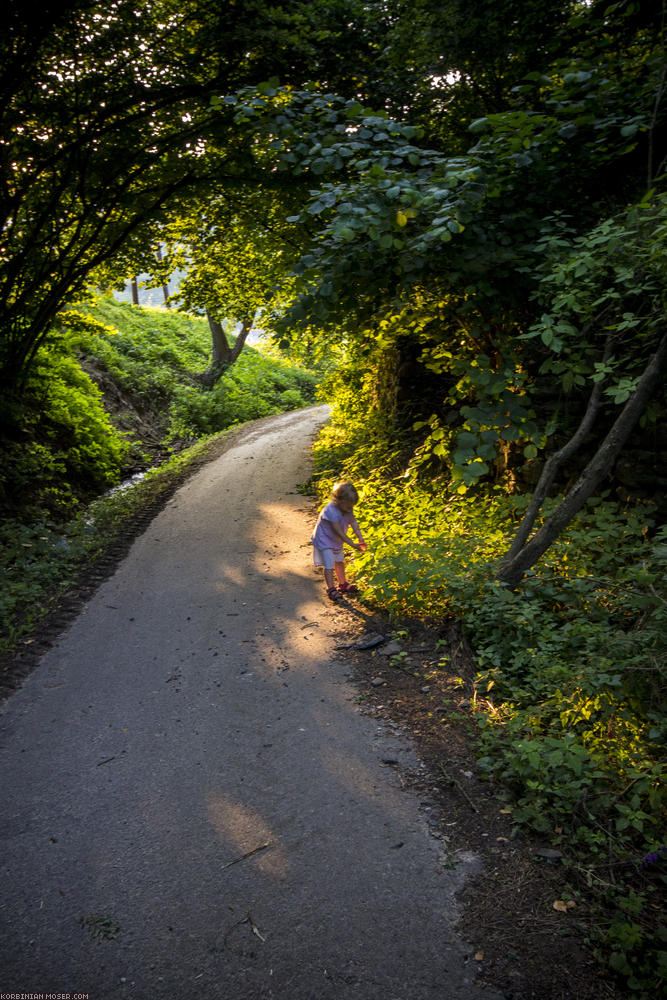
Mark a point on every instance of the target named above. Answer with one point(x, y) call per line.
point(60, 446)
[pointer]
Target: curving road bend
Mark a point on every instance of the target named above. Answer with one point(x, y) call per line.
point(192, 804)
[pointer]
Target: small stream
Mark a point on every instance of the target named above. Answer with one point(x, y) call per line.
point(127, 483)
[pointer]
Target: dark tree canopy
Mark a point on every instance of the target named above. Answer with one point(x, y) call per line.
point(109, 119)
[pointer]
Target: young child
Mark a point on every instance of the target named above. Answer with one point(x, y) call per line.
point(330, 535)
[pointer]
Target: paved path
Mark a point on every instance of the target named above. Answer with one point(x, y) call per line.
point(192, 804)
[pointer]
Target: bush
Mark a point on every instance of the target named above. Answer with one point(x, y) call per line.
point(60, 447)
point(254, 387)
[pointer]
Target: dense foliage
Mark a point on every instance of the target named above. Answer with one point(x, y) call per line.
point(105, 120)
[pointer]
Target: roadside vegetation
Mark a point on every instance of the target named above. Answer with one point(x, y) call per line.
point(111, 396)
point(569, 695)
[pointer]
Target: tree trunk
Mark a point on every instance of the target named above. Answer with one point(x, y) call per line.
point(135, 291)
point(222, 355)
point(165, 288)
point(512, 569)
point(553, 464)
point(220, 349)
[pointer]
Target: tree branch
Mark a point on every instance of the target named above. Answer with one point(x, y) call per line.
point(554, 463)
point(511, 572)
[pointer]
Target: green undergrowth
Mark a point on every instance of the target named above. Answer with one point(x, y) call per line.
point(569, 695)
point(40, 561)
point(58, 444)
point(111, 392)
point(151, 354)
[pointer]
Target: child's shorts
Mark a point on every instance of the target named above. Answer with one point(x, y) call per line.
point(327, 557)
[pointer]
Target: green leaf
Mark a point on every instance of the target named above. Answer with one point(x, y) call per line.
point(466, 440)
point(354, 110)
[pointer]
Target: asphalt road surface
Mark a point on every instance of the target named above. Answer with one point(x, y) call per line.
point(193, 806)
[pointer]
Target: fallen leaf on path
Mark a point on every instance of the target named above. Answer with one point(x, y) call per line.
point(562, 906)
point(549, 854)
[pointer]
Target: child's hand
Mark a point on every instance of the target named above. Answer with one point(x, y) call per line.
point(362, 546)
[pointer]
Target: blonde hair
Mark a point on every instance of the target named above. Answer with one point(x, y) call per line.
point(344, 491)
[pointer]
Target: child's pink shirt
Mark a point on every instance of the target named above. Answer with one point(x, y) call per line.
point(324, 536)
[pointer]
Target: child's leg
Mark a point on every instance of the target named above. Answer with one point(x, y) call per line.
point(332, 590)
point(344, 586)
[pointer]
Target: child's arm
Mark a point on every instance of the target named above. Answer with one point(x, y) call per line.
point(357, 530)
point(343, 535)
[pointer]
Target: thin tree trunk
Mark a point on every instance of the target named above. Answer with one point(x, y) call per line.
point(165, 288)
point(135, 291)
point(222, 355)
point(241, 336)
point(553, 464)
point(660, 92)
point(511, 572)
point(220, 350)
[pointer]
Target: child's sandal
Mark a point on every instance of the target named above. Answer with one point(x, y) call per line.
point(349, 588)
point(332, 594)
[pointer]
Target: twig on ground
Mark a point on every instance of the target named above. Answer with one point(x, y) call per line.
point(453, 781)
point(248, 854)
